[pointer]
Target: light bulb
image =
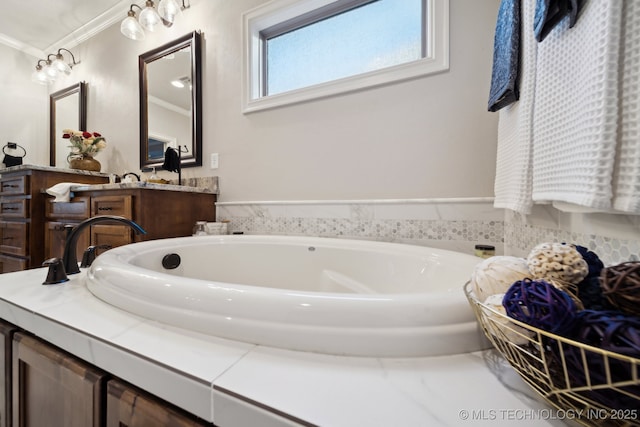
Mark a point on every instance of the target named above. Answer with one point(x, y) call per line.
point(131, 28)
point(60, 66)
point(168, 10)
point(149, 18)
point(51, 71)
point(40, 77)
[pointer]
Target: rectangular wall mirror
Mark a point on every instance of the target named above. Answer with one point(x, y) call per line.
point(171, 101)
point(67, 110)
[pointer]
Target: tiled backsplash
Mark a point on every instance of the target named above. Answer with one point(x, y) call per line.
point(455, 224)
point(614, 238)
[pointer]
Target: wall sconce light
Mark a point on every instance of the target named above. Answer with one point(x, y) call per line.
point(52, 69)
point(149, 18)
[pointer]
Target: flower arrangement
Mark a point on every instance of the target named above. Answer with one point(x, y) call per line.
point(83, 143)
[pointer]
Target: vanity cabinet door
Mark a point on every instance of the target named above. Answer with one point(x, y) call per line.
point(52, 388)
point(110, 236)
point(128, 406)
point(6, 333)
point(55, 236)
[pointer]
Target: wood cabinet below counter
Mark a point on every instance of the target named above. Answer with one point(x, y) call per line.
point(22, 214)
point(161, 213)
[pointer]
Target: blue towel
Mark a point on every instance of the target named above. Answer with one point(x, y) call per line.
point(550, 12)
point(506, 56)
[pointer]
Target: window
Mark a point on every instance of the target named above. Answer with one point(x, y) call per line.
point(298, 50)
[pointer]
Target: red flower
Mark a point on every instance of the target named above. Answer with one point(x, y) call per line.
point(66, 135)
point(86, 134)
point(96, 134)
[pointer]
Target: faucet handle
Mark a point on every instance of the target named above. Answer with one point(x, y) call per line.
point(89, 255)
point(56, 273)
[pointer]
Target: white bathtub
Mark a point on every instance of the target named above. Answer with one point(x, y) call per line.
point(335, 296)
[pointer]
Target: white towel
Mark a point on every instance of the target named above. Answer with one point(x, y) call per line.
point(62, 191)
point(576, 108)
point(627, 174)
point(512, 185)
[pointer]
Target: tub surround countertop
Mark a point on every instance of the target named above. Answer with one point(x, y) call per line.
point(237, 384)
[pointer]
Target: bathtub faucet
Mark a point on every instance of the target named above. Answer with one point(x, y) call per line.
point(69, 258)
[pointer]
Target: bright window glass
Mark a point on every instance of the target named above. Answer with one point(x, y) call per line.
point(370, 37)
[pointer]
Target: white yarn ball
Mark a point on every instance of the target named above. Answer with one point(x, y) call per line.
point(496, 274)
point(557, 261)
point(504, 329)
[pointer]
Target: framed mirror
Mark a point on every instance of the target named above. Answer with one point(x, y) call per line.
point(67, 110)
point(171, 101)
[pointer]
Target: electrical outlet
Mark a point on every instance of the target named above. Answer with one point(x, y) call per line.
point(214, 161)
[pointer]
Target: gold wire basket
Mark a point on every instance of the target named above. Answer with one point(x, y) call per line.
point(599, 387)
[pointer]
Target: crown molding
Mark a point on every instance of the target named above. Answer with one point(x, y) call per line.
point(114, 14)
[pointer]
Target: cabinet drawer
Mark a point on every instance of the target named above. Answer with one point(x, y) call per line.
point(9, 264)
point(14, 237)
point(78, 208)
point(16, 185)
point(14, 208)
point(112, 205)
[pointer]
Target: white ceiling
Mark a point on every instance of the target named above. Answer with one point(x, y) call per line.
point(39, 27)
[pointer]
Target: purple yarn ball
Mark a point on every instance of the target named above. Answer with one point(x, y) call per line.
point(610, 330)
point(541, 305)
point(593, 261)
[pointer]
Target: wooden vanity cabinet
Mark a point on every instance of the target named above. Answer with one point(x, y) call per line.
point(22, 212)
point(52, 388)
point(128, 406)
point(161, 213)
point(46, 386)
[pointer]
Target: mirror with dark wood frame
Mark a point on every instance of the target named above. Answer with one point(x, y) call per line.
point(171, 102)
point(67, 110)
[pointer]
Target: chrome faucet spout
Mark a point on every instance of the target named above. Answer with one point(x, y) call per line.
point(70, 258)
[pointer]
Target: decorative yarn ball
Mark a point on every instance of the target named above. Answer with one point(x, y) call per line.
point(612, 331)
point(558, 261)
point(609, 330)
point(621, 286)
point(505, 329)
point(541, 305)
point(494, 275)
point(594, 263)
point(590, 293)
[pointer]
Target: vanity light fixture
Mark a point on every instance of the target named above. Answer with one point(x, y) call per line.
point(53, 68)
point(149, 18)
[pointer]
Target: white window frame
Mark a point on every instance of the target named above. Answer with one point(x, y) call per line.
point(436, 58)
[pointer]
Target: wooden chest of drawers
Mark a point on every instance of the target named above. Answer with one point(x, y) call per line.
point(22, 212)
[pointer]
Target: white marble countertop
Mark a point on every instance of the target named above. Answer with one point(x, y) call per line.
point(237, 384)
point(139, 184)
point(50, 169)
